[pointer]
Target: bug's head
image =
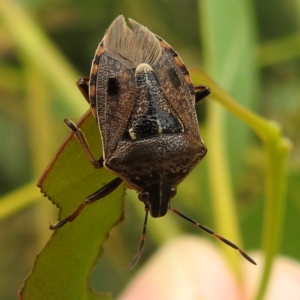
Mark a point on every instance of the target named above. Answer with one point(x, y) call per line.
point(157, 198)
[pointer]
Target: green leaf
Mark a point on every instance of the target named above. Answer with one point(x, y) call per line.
point(277, 148)
point(229, 48)
point(62, 268)
point(229, 54)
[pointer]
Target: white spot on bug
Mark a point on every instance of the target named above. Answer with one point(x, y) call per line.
point(132, 134)
point(182, 128)
point(160, 128)
point(142, 73)
point(143, 68)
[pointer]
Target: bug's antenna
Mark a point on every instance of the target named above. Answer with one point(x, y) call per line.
point(214, 234)
point(142, 242)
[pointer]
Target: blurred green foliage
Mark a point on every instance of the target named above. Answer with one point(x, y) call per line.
point(34, 100)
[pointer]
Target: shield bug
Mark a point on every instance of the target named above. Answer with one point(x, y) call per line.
point(142, 97)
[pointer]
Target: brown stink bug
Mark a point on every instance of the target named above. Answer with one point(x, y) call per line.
point(142, 97)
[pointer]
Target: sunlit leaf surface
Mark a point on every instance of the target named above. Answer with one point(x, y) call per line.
point(62, 268)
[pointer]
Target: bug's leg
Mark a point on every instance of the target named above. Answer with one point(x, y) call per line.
point(245, 255)
point(104, 191)
point(79, 135)
point(201, 92)
point(83, 86)
point(142, 242)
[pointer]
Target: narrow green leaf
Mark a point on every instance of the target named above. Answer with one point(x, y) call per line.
point(229, 49)
point(277, 148)
point(62, 268)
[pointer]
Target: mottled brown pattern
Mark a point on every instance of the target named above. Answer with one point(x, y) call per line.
point(113, 111)
point(159, 160)
point(142, 96)
point(171, 157)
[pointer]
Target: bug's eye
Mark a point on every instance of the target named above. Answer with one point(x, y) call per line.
point(173, 192)
point(144, 196)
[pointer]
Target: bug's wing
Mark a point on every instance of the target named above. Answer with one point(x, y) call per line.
point(132, 43)
point(115, 94)
point(123, 48)
point(176, 84)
